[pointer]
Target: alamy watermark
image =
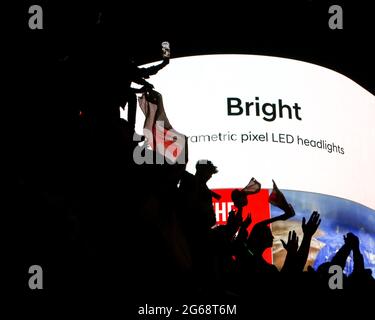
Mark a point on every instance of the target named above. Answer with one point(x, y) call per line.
point(336, 19)
point(336, 280)
point(36, 280)
point(161, 146)
point(36, 18)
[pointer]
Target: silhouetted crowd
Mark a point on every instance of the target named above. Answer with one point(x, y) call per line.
point(101, 225)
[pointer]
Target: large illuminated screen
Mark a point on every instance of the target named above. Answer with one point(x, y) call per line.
point(307, 127)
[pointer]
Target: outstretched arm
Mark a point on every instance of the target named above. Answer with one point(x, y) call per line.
point(308, 229)
point(142, 82)
point(146, 72)
point(342, 254)
point(288, 213)
point(296, 260)
point(142, 73)
point(353, 242)
point(291, 247)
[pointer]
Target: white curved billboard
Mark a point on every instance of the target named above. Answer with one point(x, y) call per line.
point(307, 127)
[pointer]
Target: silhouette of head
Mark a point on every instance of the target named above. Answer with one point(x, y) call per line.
point(239, 198)
point(324, 267)
point(260, 238)
point(205, 169)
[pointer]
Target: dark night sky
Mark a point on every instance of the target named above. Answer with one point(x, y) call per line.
point(294, 30)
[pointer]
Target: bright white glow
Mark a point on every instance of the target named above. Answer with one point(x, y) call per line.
point(333, 108)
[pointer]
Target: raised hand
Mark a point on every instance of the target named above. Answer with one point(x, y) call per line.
point(312, 225)
point(351, 240)
point(292, 245)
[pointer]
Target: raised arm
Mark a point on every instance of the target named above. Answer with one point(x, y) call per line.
point(149, 71)
point(353, 242)
point(140, 74)
point(342, 254)
point(291, 247)
point(288, 213)
point(308, 229)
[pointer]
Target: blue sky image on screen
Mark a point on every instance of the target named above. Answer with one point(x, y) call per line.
point(339, 216)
